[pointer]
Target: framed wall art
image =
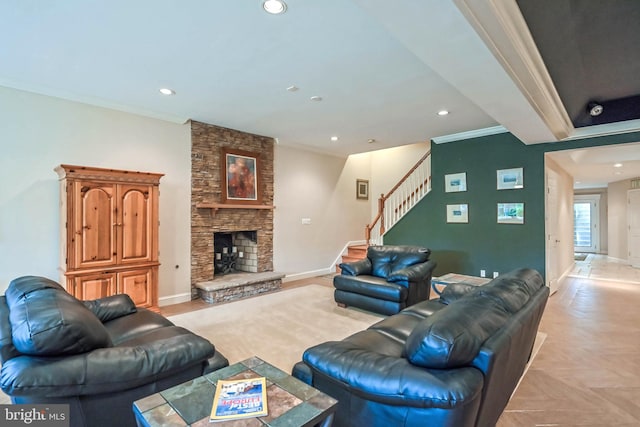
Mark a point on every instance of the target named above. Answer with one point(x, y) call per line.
point(509, 179)
point(458, 213)
point(240, 177)
point(455, 182)
point(510, 213)
point(362, 189)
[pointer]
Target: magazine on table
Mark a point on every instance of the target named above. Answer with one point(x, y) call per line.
point(235, 399)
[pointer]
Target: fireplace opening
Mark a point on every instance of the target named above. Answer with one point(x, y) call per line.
point(235, 251)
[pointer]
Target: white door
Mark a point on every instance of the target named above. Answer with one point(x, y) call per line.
point(633, 238)
point(586, 220)
point(551, 227)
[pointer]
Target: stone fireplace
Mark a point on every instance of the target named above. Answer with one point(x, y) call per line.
point(249, 227)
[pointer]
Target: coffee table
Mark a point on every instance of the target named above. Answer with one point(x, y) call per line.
point(439, 283)
point(290, 401)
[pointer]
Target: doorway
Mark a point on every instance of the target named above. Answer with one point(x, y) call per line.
point(585, 223)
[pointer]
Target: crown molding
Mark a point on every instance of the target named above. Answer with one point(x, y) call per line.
point(494, 130)
point(500, 24)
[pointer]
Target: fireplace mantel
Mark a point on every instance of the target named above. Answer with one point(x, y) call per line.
point(216, 206)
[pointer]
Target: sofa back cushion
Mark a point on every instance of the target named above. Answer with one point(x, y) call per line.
point(389, 258)
point(452, 337)
point(47, 321)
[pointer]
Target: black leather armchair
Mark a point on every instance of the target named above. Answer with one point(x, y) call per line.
point(96, 356)
point(389, 279)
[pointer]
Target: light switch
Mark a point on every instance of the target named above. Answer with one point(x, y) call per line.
point(306, 221)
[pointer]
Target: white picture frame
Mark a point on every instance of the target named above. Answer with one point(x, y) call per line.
point(458, 213)
point(455, 182)
point(510, 213)
point(510, 179)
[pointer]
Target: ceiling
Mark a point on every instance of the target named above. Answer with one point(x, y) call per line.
point(382, 73)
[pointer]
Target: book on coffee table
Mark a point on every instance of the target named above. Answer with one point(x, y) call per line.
point(236, 399)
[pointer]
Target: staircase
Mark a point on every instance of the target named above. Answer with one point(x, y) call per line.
point(394, 205)
point(400, 200)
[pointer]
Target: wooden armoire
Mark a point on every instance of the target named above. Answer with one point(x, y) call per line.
point(109, 233)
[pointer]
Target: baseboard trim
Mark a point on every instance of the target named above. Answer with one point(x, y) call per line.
point(174, 299)
point(307, 274)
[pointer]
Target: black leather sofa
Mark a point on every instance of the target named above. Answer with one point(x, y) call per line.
point(96, 356)
point(389, 279)
point(452, 361)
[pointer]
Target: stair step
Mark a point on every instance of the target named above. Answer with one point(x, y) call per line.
point(358, 251)
point(349, 258)
point(354, 253)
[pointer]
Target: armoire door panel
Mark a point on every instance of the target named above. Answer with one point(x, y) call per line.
point(94, 286)
point(134, 224)
point(137, 284)
point(94, 237)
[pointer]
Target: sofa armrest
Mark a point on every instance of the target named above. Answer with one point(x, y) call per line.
point(413, 273)
point(392, 380)
point(163, 353)
point(356, 268)
point(111, 307)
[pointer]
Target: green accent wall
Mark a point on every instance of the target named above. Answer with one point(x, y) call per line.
point(482, 243)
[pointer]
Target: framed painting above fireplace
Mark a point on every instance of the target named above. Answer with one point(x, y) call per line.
point(240, 177)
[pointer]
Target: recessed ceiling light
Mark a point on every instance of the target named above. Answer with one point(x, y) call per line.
point(617, 165)
point(334, 138)
point(443, 112)
point(292, 88)
point(167, 91)
point(274, 7)
point(371, 140)
point(316, 98)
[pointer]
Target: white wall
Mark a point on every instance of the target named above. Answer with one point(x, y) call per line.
point(564, 215)
point(617, 195)
point(320, 188)
point(37, 133)
point(389, 166)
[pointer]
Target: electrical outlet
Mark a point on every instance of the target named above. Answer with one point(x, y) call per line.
point(495, 274)
point(306, 221)
point(483, 273)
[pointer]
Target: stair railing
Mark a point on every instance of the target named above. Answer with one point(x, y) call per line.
point(402, 197)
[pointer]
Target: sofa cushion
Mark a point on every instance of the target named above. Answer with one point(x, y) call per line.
point(388, 259)
point(47, 321)
point(452, 337)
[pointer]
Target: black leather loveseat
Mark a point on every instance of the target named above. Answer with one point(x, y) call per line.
point(452, 361)
point(389, 279)
point(96, 356)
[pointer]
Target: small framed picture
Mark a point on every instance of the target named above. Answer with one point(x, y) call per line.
point(455, 182)
point(509, 179)
point(362, 189)
point(458, 213)
point(510, 213)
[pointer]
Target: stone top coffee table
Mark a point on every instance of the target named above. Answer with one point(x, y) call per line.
point(290, 401)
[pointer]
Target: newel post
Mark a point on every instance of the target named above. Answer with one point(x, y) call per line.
point(381, 201)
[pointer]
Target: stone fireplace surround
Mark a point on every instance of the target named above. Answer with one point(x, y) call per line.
point(207, 142)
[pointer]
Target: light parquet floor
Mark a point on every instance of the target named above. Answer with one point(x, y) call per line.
point(587, 373)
